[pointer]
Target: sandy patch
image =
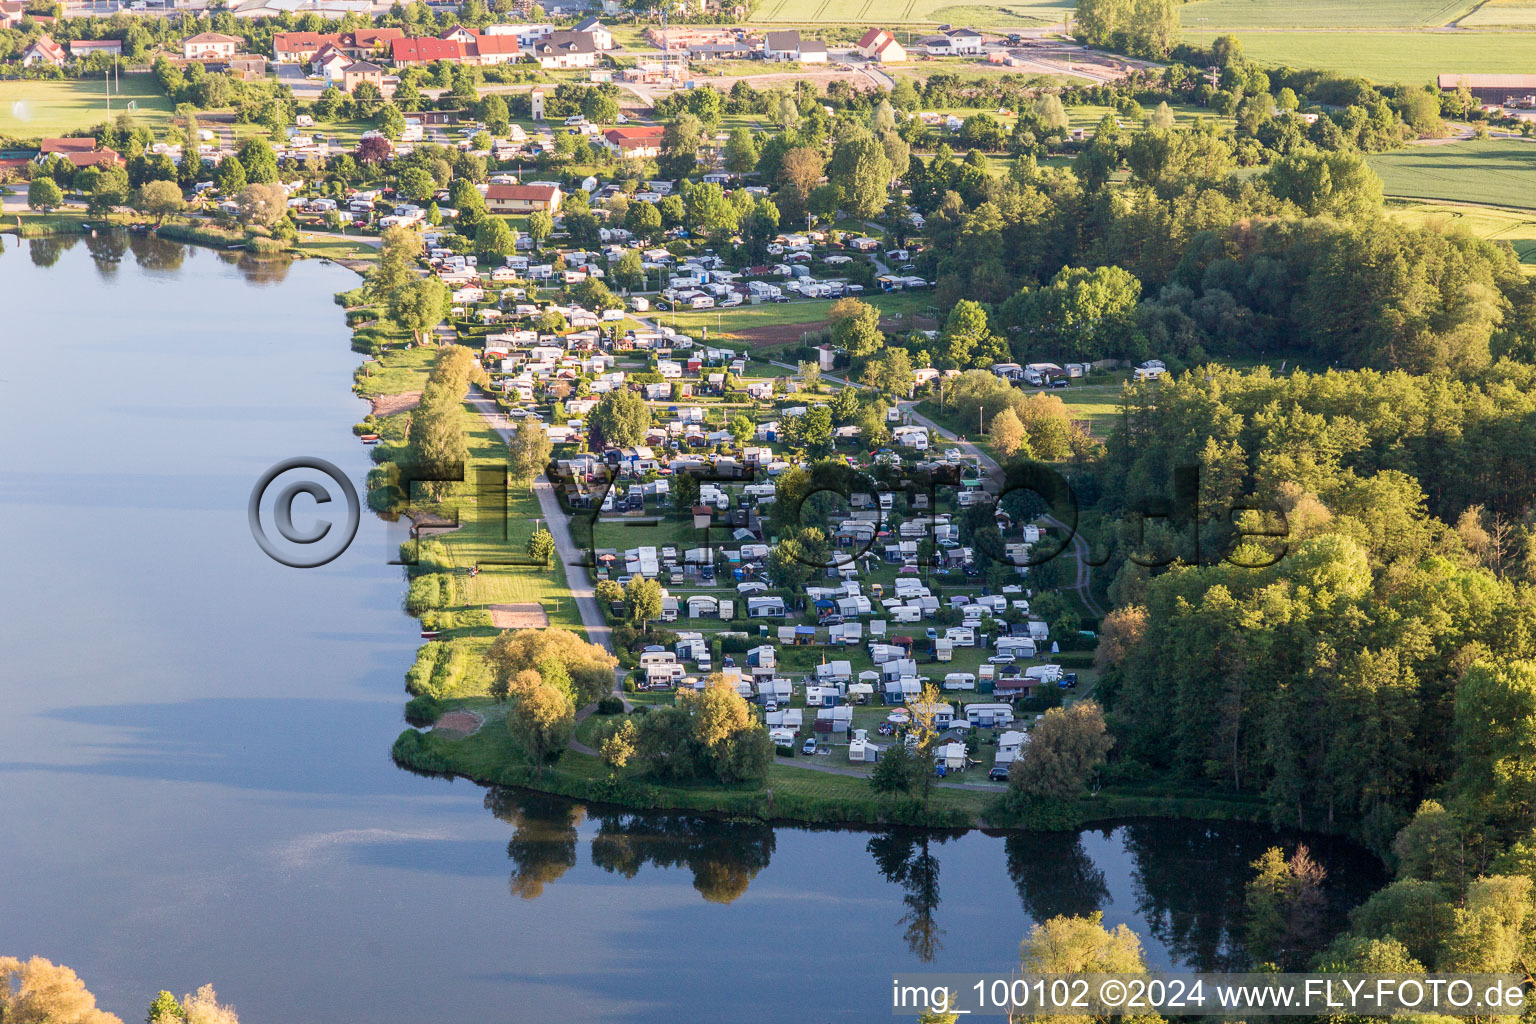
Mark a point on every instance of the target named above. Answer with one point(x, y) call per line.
point(458, 724)
point(519, 616)
point(388, 405)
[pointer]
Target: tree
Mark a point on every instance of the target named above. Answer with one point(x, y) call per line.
point(621, 418)
point(259, 161)
point(373, 149)
point(1341, 184)
point(261, 206)
point(44, 194)
point(542, 722)
point(1082, 945)
point(855, 327)
point(890, 373)
point(389, 120)
point(1064, 750)
point(741, 153)
point(588, 667)
point(861, 171)
point(160, 199)
point(203, 1007)
point(967, 336)
point(735, 747)
point(643, 220)
point(528, 450)
point(540, 226)
point(399, 248)
point(922, 732)
point(619, 744)
point(111, 190)
point(642, 598)
point(37, 991)
point(844, 405)
point(810, 376)
point(896, 771)
point(742, 429)
point(419, 305)
point(164, 1010)
point(493, 111)
point(494, 239)
point(812, 432)
point(1048, 108)
point(1008, 433)
point(541, 545)
point(416, 184)
point(599, 107)
point(1285, 905)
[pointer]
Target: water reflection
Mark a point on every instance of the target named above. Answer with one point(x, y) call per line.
point(1054, 874)
point(264, 270)
point(159, 254)
point(45, 251)
point(906, 858)
point(107, 248)
point(724, 856)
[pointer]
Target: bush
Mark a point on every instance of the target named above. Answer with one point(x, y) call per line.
point(610, 706)
point(1074, 660)
point(413, 750)
point(423, 710)
point(417, 678)
point(780, 750)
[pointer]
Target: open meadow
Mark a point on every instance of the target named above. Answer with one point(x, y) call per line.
point(1499, 172)
point(1389, 56)
point(40, 109)
point(1500, 14)
point(1022, 13)
point(1239, 14)
point(1517, 227)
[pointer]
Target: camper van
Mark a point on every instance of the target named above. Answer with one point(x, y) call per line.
point(989, 715)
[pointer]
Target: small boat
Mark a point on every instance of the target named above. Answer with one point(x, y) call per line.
point(430, 634)
point(368, 438)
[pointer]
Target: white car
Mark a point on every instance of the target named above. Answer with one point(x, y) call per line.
point(952, 453)
point(1001, 659)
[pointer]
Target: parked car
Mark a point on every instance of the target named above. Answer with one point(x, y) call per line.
point(810, 746)
point(1058, 382)
point(1001, 659)
point(772, 705)
point(998, 773)
point(1069, 681)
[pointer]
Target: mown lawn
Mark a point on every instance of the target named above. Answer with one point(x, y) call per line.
point(1500, 172)
point(41, 109)
point(812, 314)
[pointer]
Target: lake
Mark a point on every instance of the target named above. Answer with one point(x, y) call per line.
point(194, 758)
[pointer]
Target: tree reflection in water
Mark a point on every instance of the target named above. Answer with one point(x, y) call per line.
point(45, 251)
point(543, 843)
point(265, 270)
point(1054, 874)
point(905, 857)
point(155, 253)
point(107, 248)
point(724, 856)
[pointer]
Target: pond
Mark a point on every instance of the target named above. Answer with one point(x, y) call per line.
point(194, 758)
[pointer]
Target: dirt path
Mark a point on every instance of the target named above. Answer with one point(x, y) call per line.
point(388, 405)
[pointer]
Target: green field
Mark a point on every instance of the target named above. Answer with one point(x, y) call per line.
point(903, 12)
point(30, 110)
point(1501, 14)
point(1516, 227)
point(1384, 57)
point(810, 314)
point(1239, 14)
point(1500, 172)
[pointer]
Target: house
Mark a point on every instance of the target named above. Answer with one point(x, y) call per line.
point(602, 39)
point(641, 140)
point(43, 50)
point(522, 198)
point(209, 46)
point(416, 50)
point(355, 73)
point(86, 47)
point(301, 47)
point(880, 45)
point(80, 152)
point(566, 50)
point(787, 45)
point(12, 12)
point(1009, 745)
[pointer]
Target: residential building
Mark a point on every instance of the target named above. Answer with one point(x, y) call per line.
point(954, 42)
point(80, 152)
point(209, 46)
point(566, 50)
point(880, 45)
point(43, 50)
point(301, 47)
point(86, 47)
point(459, 47)
point(602, 39)
point(12, 12)
point(641, 140)
point(787, 45)
point(522, 198)
point(358, 72)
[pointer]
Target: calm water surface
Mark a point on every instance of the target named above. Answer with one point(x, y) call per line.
point(195, 781)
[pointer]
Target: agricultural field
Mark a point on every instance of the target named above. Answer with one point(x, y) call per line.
point(1500, 14)
point(1240, 14)
point(1386, 57)
point(1011, 14)
point(1499, 172)
point(1517, 227)
point(40, 109)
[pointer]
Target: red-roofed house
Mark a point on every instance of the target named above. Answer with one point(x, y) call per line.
point(11, 13)
point(878, 44)
point(424, 50)
point(522, 198)
point(301, 47)
point(641, 140)
point(43, 50)
point(80, 152)
point(488, 50)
